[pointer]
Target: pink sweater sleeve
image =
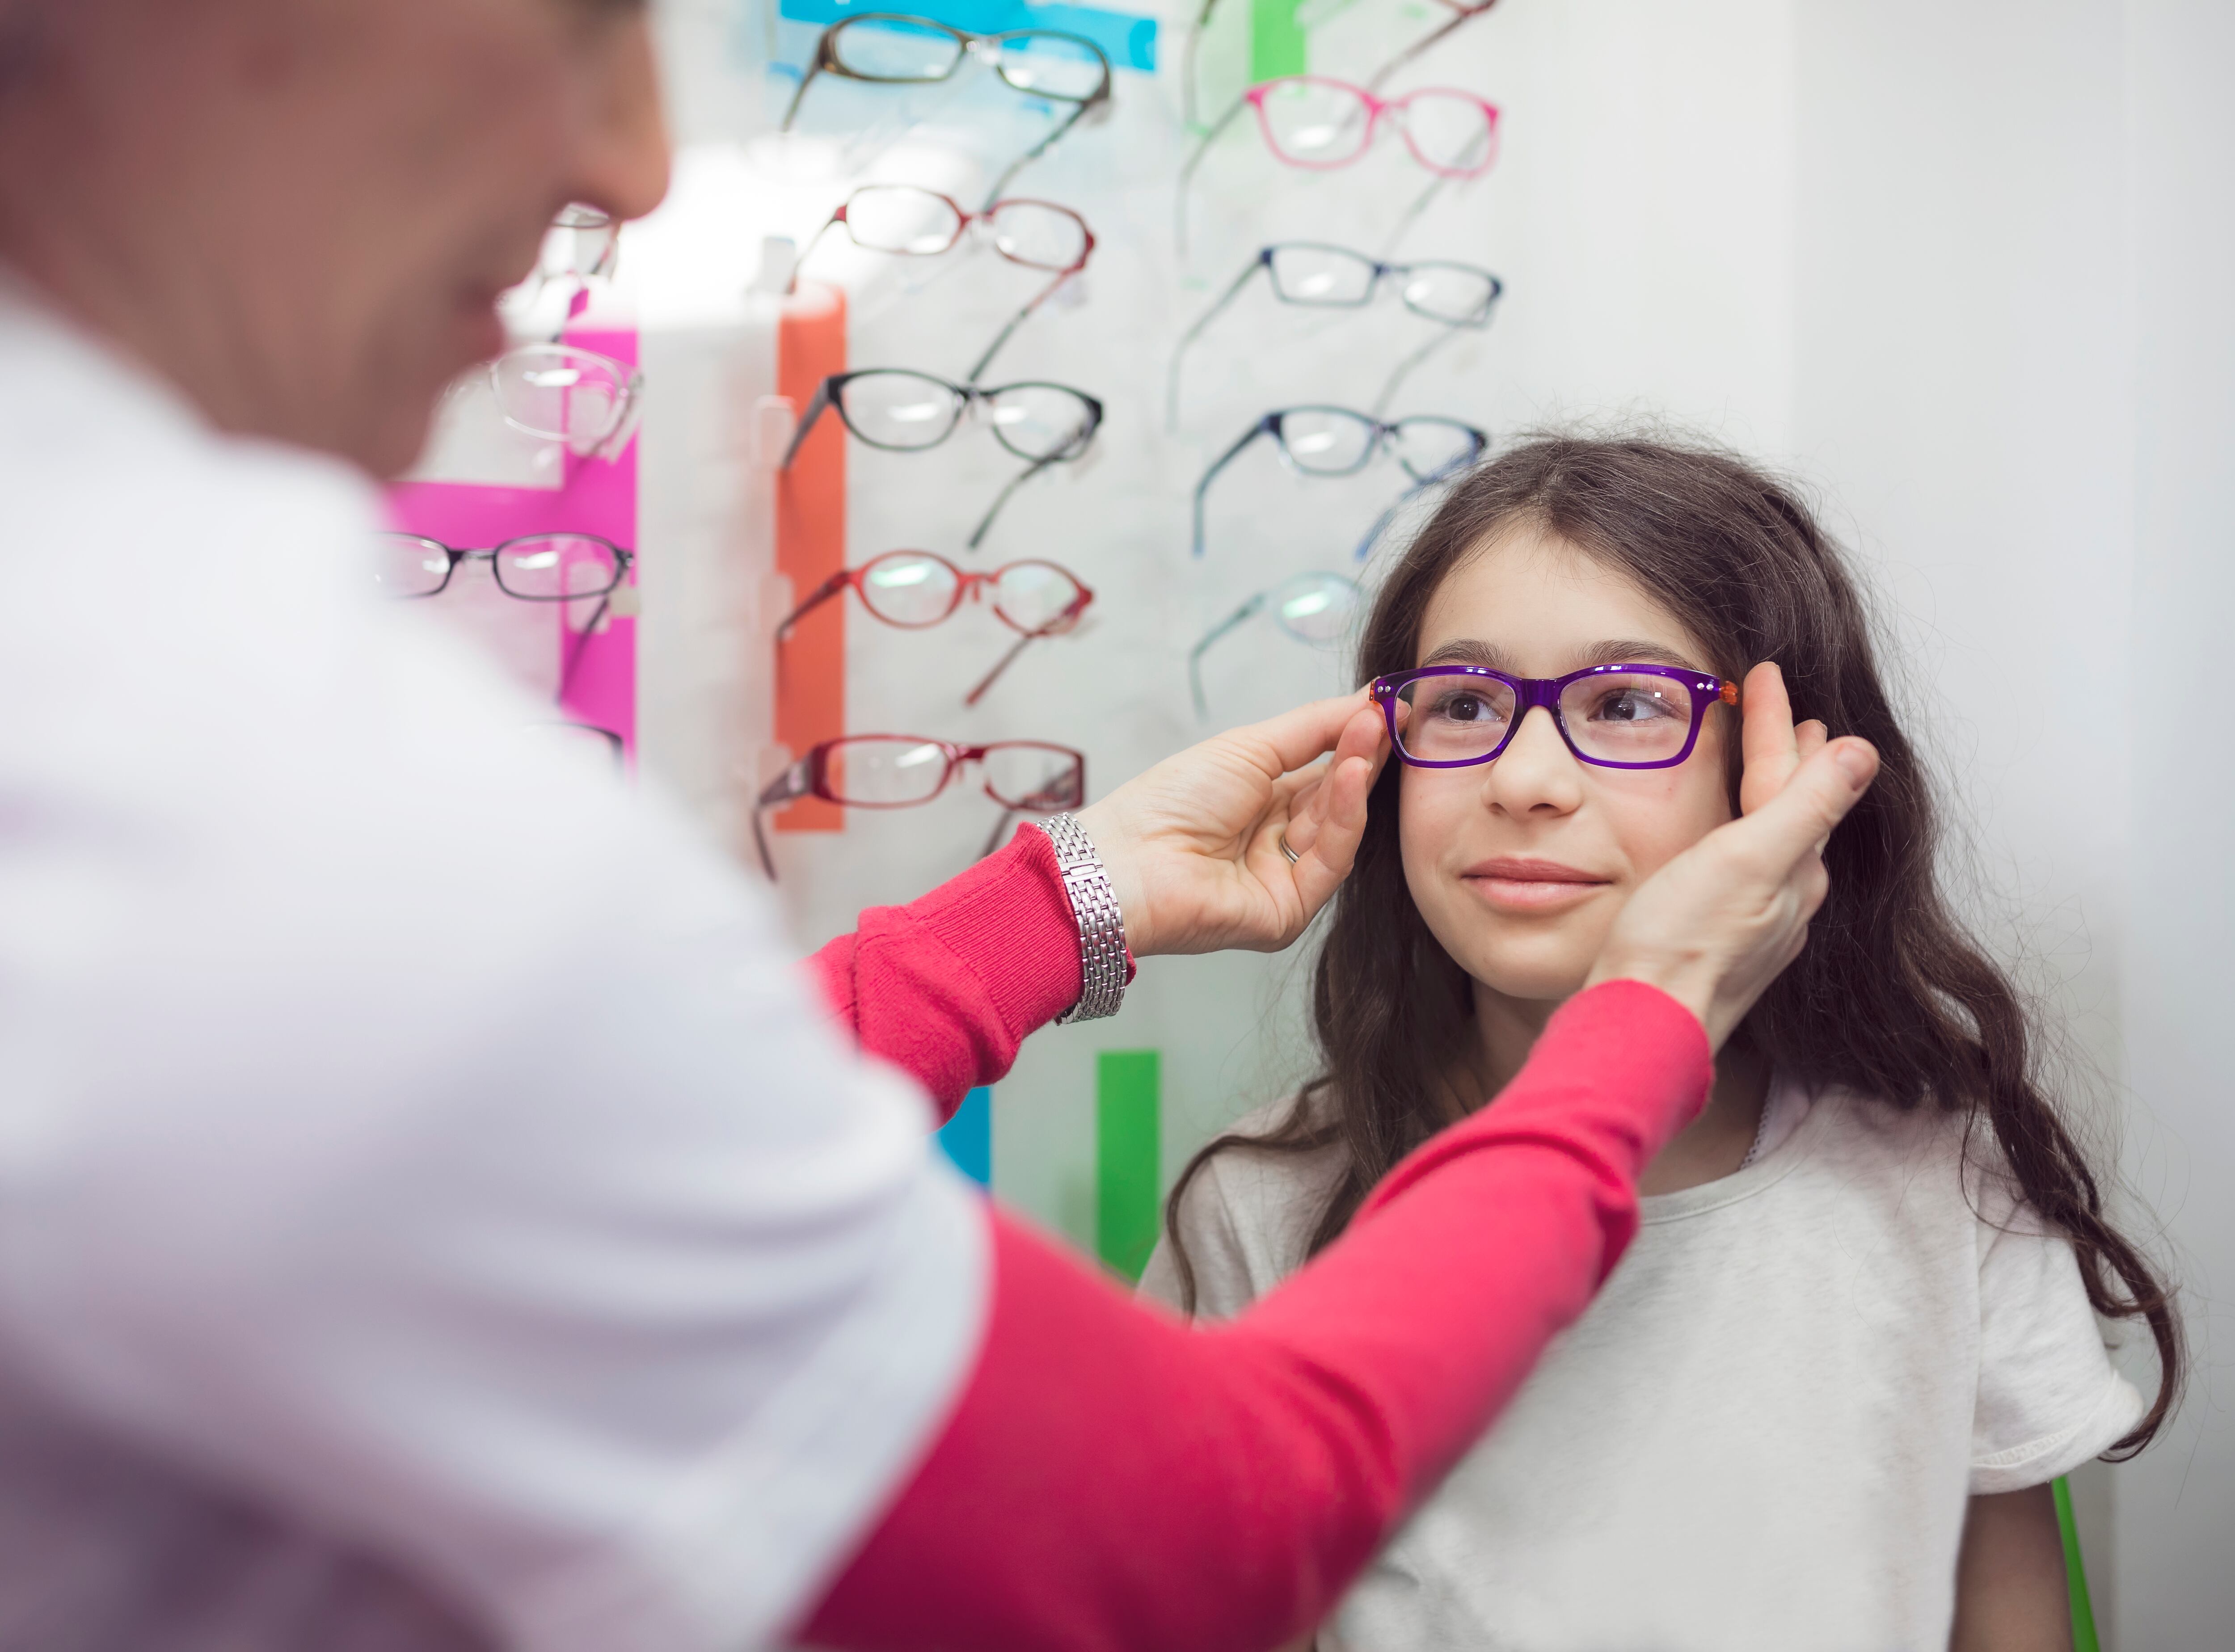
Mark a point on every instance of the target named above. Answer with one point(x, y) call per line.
point(1112, 1481)
point(947, 987)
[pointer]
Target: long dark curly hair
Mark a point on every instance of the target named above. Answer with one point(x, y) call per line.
point(1891, 997)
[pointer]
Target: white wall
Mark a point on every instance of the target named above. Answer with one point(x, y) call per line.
point(2013, 371)
point(2176, 1505)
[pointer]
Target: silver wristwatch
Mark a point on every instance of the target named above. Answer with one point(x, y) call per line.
point(1101, 925)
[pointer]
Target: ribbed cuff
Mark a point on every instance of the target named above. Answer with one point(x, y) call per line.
point(1009, 919)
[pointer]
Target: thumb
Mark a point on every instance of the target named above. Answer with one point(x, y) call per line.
point(1798, 819)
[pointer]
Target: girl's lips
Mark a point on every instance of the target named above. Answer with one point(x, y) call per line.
point(1531, 886)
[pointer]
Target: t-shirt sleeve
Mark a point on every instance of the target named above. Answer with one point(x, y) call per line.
point(2049, 1398)
point(1245, 1221)
point(1215, 1255)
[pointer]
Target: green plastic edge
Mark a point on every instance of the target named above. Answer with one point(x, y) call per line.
point(1129, 1162)
point(2076, 1573)
point(1276, 39)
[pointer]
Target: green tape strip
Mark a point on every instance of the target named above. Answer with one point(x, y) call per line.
point(1129, 1162)
point(1276, 39)
point(2076, 1573)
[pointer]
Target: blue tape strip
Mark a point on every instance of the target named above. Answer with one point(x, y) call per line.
point(1126, 38)
point(967, 1138)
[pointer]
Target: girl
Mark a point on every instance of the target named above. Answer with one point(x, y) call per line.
point(1821, 1400)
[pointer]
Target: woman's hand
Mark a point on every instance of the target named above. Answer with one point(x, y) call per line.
point(1717, 924)
point(1192, 847)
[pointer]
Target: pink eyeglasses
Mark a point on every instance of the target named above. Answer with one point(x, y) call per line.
point(1310, 121)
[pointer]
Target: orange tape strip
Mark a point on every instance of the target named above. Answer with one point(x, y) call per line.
point(810, 545)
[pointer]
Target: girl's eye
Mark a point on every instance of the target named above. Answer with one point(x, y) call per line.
point(1461, 706)
point(1630, 706)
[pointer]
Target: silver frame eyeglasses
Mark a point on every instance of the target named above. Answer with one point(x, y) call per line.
point(1354, 280)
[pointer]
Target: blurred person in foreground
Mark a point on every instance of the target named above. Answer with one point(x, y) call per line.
point(430, 1214)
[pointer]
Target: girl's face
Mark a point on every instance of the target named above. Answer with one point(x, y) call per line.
point(1520, 865)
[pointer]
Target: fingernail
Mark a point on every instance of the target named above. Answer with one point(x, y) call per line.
point(1854, 764)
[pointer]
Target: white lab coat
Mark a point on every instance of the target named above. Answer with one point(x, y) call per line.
point(416, 1162)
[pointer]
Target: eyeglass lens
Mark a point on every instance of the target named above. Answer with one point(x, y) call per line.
point(1615, 717)
point(1448, 131)
point(561, 394)
point(1328, 275)
point(897, 49)
point(579, 242)
point(1032, 596)
point(884, 771)
point(1327, 441)
point(1315, 607)
point(906, 588)
point(1040, 420)
point(900, 217)
point(890, 407)
point(1022, 774)
point(1037, 235)
point(1316, 123)
point(1052, 65)
point(556, 568)
point(406, 565)
point(1429, 447)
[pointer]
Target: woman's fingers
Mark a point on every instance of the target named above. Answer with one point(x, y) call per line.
point(1715, 926)
point(1336, 812)
point(1767, 738)
point(1810, 738)
point(1362, 737)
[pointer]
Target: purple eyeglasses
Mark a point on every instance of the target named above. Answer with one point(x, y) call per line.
point(1615, 717)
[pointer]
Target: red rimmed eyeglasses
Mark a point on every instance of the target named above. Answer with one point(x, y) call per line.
point(916, 589)
point(901, 771)
point(1614, 716)
point(910, 222)
point(1319, 123)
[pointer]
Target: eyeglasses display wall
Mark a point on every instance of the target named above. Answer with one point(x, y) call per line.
point(1029, 394)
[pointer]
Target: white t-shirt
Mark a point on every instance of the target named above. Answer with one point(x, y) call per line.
point(431, 1207)
point(1763, 1432)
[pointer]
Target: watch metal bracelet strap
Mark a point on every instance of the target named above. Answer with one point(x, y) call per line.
point(1101, 925)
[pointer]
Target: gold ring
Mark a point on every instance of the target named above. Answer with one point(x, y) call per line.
point(1293, 857)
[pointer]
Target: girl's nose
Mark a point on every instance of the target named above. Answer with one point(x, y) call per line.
point(1535, 774)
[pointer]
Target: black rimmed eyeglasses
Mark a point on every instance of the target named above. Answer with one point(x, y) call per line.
point(904, 411)
point(1340, 441)
point(910, 222)
point(892, 49)
point(1314, 275)
point(1614, 716)
point(533, 568)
